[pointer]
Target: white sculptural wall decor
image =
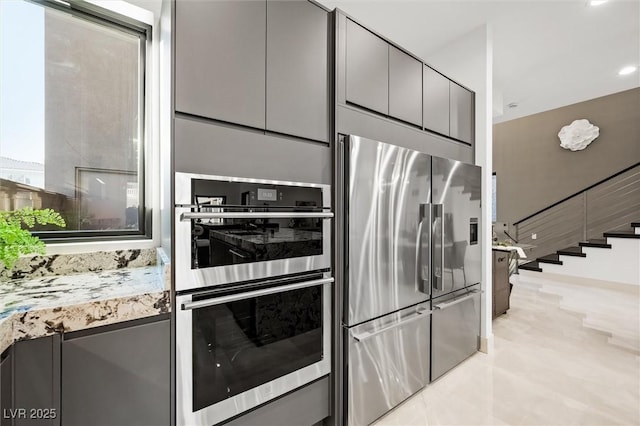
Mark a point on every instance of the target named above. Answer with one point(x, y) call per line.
point(578, 135)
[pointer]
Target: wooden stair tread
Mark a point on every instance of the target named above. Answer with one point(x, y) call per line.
point(531, 266)
point(621, 234)
point(550, 258)
point(595, 242)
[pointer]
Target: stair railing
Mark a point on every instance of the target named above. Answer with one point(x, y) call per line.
point(610, 204)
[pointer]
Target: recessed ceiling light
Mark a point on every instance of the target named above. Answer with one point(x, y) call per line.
point(627, 70)
point(597, 2)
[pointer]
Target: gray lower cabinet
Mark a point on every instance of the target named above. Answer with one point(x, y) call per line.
point(220, 60)
point(367, 74)
point(461, 110)
point(298, 79)
point(119, 377)
point(405, 87)
point(435, 101)
point(30, 383)
point(6, 388)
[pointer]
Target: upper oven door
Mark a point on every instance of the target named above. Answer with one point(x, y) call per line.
point(237, 229)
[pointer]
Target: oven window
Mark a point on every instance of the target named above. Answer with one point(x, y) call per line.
point(240, 345)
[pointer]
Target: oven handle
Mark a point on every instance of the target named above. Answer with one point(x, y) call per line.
point(254, 215)
point(250, 294)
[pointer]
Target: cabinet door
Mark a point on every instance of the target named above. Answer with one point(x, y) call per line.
point(119, 377)
point(461, 113)
point(405, 87)
point(6, 385)
point(367, 81)
point(297, 69)
point(220, 60)
point(435, 101)
point(36, 384)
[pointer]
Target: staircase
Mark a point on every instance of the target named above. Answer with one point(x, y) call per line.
point(613, 258)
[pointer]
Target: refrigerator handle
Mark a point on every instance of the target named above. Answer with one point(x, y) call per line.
point(423, 263)
point(437, 230)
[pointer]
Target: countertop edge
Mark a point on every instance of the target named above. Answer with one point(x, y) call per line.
point(81, 316)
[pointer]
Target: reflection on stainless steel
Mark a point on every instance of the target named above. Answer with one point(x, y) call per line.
point(456, 330)
point(186, 415)
point(456, 194)
point(387, 185)
point(457, 257)
point(388, 362)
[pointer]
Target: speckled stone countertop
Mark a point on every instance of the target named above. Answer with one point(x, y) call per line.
point(41, 306)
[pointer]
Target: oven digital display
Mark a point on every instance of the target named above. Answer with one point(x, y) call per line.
point(267, 194)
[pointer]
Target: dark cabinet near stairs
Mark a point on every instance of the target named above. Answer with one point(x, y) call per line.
point(501, 285)
point(257, 63)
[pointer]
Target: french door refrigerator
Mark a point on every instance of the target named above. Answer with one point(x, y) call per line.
point(394, 228)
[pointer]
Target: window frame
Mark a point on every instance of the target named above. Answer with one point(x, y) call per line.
point(111, 19)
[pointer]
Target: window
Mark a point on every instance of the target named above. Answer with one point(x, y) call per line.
point(72, 117)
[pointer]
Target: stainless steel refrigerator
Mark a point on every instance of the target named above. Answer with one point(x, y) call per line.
point(412, 234)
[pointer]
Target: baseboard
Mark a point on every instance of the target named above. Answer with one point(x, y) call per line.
point(486, 344)
point(587, 282)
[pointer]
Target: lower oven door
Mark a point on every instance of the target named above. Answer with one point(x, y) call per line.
point(239, 350)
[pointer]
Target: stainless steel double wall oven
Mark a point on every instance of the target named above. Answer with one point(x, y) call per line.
point(253, 290)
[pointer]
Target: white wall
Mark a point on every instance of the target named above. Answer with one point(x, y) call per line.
point(469, 61)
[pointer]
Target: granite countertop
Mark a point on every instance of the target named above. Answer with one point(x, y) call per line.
point(38, 307)
point(282, 235)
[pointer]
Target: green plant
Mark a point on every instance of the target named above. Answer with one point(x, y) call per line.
point(16, 240)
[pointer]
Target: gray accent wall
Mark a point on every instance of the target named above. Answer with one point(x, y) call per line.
point(533, 171)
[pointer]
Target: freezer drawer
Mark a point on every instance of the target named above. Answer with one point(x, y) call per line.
point(388, 361)
point(456, 330)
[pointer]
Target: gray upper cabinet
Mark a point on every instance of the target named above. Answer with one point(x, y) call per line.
point(435, 101)
point(367, 63)
point(462, 111)
point(405, 87)
point(297, 69)
point(220, 60)
point(119, 377)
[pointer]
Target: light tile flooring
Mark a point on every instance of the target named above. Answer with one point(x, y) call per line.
point(549, 366)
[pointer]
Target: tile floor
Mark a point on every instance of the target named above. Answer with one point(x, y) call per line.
point(560, 357)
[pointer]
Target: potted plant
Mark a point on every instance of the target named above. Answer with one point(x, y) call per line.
point(15, 239)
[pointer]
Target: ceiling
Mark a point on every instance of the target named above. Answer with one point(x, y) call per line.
point(546, 54)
